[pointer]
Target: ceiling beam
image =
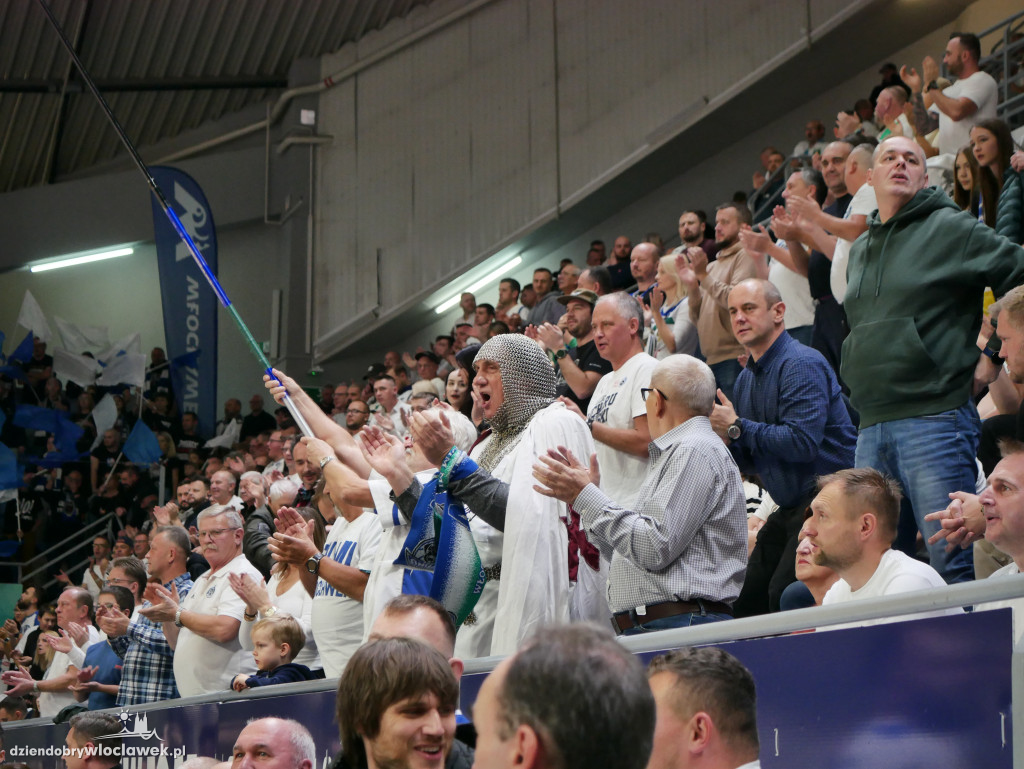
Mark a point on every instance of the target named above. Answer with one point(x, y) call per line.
point(16, 85)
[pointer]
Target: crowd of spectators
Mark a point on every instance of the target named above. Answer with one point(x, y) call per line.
point(768, 415)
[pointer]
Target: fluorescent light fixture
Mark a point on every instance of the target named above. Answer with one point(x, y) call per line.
point(75, 260)
point(490, 277)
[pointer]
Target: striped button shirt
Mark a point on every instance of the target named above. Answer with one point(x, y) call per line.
point(687, 538)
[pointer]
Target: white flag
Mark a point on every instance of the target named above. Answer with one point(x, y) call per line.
point(32, 319)
point(129, 344)
point(104, 416)
point(80, 369)
point(129, 368)
point(79, 339)
point(228, 438)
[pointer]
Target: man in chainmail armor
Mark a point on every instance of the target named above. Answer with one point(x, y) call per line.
point(521, 535)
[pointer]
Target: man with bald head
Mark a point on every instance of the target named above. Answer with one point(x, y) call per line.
point(643, 265)
point(788, 424)
point(914, 300)
point(679, 552)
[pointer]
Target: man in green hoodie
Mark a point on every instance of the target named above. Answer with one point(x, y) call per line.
point(914, 303)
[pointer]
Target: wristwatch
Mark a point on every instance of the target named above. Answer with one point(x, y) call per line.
point(177, 616)
point(313, 563)
point(734, 430)
point(325, 459)
point(561, 354)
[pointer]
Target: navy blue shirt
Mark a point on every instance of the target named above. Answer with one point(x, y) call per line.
point(793, 421)
point(282, 674)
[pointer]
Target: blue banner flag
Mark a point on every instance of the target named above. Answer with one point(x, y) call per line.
point(9, 476)
point(14, 372)
point(37, 418)
point(23, 352)
point(189, 305)
point(142, 447)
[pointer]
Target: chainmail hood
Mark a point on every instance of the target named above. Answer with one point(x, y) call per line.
point(528, 385)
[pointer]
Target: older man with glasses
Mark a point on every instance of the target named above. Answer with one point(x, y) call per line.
point(203, 628)
point(679, 553)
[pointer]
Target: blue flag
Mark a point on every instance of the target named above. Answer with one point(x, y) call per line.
point(57, 460)
point(66, 436)
point(23, 352)
point(142, 447)
point(37, 418)
point(14, 372)
point(9, 477)
point(189, 305)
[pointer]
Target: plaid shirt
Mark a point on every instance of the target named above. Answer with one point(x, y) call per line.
point(687, 537)
point(148, 671)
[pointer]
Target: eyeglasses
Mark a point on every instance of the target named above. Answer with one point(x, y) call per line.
point(211, 533)
point(645, 391)
point(107, 606)
point(118, 581)
point(356, 411)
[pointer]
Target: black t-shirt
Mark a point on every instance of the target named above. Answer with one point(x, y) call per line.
point(819, 266)
point(588, 359)
point(254, 424)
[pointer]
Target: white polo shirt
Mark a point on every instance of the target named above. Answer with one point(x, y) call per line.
point(202, 665)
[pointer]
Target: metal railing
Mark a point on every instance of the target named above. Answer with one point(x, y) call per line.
point(1006, 64)
point(61, 551)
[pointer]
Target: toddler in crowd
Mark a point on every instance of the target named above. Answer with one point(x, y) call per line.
point(275, 642)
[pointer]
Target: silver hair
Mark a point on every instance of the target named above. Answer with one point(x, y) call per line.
point(303, 747)
point(686, 381)
point(234, 518)
point(626, 306)
point(281, 489)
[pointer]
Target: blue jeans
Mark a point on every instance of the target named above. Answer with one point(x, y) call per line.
point(726, 373)
point(930, 457)
point(680, 620)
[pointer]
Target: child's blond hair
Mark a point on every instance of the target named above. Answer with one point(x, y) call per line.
point(283, 629)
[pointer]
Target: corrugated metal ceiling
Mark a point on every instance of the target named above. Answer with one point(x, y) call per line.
point(164, 67)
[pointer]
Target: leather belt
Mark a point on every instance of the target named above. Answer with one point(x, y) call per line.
point(624, 620)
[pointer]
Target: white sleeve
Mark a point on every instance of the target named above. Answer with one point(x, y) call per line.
point(369, 541)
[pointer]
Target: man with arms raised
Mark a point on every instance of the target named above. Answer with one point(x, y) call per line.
point(520, 535)
point(709, 286)
point(74, 617)
point(579, 368)
point(148, 671)
point(203, 627)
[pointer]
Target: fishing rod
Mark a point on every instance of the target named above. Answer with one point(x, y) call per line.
point(257, 350)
